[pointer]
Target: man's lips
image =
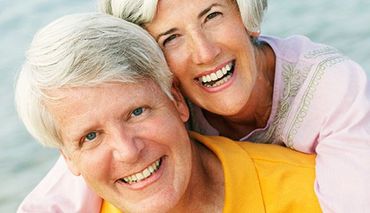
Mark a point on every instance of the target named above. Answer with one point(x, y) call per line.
point(143, 174)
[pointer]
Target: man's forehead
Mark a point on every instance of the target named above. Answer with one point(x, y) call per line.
point(71, 105)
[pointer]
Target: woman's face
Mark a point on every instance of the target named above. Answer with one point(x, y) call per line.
point(208, 49)
point(128, 141)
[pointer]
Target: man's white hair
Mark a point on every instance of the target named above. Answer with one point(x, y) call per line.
point(83, 50)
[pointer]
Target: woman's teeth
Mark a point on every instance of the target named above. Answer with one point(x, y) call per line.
point(147, 172)
point(217, 78)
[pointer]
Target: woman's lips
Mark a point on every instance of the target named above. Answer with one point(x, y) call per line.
point(218, 77)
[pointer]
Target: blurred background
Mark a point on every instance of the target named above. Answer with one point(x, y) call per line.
point(23, 162)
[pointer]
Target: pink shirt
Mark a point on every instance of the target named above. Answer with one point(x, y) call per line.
point(61, 191)
point(321, 104)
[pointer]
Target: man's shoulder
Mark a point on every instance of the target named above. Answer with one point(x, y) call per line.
point(277, 154)
point(258, 153)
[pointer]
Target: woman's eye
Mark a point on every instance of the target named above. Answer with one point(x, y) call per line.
point(169, 39)
point(138, 111)
point(213, 15)
point(90, 136)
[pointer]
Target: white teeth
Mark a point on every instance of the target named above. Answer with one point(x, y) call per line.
point(216, 76)
point(139, 176)
point(151, 169)
point(143, 174)
point(222, 81)
point(146, 173)
point(206, 78)
point(224, 71)
point(219, 74)
point(228, 67)
point(213, 76)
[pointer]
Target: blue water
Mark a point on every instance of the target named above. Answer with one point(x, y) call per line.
point(342, 24)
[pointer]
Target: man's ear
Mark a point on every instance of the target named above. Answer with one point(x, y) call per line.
point(180, 102)
point(71, 166)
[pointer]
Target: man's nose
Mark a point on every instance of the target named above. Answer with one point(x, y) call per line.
point(127, 147)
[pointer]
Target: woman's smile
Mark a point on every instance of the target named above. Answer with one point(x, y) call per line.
point(218, 77)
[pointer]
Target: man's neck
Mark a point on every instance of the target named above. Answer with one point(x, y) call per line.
point(205, 192)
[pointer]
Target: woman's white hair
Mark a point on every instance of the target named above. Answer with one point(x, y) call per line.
point(83, 50)
point(142, 12)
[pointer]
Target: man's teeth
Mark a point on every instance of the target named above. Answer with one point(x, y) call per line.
point(213, 79)
point(143, 174)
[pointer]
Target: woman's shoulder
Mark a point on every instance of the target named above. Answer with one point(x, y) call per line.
point(299, 49)
point(299, 58)
point(313, 83)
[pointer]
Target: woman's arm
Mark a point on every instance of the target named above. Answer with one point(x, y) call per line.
point(343, 147)
point(61, 191)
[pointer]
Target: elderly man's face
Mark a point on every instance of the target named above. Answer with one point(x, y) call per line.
point(128, 141)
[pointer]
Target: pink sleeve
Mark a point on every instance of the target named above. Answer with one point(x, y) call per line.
point(343, 149)
point(61, 191)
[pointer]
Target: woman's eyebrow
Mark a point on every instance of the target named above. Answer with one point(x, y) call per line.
point(202, 13)
point(205, 11)
point(165, 33)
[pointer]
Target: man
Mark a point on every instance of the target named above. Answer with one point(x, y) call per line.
point(98, 89)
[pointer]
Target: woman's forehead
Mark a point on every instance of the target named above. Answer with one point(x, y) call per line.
point(171, 13)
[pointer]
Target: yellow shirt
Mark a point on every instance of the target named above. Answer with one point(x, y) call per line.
point(260, 177)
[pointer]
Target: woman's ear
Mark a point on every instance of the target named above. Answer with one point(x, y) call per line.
point(254, 34)
point(71, 166)
point(180, 102)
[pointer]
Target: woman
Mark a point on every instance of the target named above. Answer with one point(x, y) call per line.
point(290, 91)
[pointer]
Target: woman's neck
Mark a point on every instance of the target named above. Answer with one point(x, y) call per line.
point(257, 111)
point(205, 192)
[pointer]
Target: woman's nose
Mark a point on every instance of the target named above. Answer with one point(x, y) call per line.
point(204, 49)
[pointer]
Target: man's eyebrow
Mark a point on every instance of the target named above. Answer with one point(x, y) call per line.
point(205, 11)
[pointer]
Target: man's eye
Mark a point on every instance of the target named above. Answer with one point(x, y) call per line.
point(212, 15)
point(138, 111)
point(90, 137)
